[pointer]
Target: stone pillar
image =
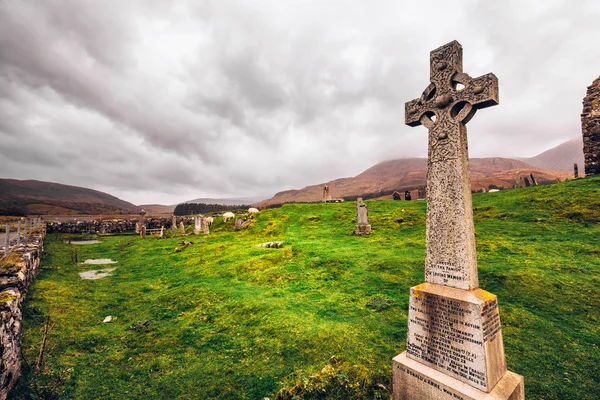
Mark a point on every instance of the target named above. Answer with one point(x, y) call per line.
point(590, 128)
point(174, 223)
point(143, 231)
point(182, 228)
point(575, 170)
point(7, 240)
point(454, 344)
point(197, 224)
point(362, 218)
point(162, 231)
point(18, 232)
point(533, 181)
point(204, 225)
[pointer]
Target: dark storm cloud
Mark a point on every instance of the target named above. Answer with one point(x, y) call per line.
point(165, 101)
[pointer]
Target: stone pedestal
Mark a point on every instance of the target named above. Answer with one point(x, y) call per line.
point(454, 342)
point(416, 381)
point(362, 229)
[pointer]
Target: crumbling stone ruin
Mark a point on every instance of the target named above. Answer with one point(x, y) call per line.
point(590, 128)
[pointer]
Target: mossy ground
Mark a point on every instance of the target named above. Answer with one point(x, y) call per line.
point(226, 319)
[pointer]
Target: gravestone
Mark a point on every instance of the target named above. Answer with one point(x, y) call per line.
point(526, 181)
point(174, 223)
point(197, 225)
point(18, 232)
point(533, 181)
point(143, 231)
point(204, 225)
point(454, 346)
point(407, 195)
point(239, 223)
point(362, 218)
point(326, 195)
point(590, 128)
point(182, 228)
point(575, 170)
point(141, 225)
point(396, 196)
point(518, 180)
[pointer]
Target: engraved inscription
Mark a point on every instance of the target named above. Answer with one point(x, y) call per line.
point(491, 321)
point(447, 335)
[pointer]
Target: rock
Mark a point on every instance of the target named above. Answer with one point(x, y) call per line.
point(107, 319)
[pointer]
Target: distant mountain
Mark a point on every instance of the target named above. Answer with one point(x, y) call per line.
point(561, 157)
point(232, 201)
point(410, 173)
point(19, 197)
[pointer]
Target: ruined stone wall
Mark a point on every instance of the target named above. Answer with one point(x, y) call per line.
point(590, 128)
point(106, 226)
point(17, 271)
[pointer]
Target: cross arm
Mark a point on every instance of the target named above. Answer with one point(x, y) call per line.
point(480, 92)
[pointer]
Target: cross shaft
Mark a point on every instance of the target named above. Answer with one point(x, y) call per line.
point(445, 107)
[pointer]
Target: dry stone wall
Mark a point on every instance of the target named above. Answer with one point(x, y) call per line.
point(17, 271)
point(590, 128)
point(106, 226)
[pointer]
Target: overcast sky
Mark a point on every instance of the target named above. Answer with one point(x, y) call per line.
point(162, 102)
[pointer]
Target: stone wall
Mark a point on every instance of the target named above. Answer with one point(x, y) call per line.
point(106, 226)
point(590, 128)
point(17, 271)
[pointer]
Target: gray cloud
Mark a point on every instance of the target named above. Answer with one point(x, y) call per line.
point(165, 101)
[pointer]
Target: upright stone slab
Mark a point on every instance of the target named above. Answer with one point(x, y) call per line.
point(575, 171)
point(454, 346)
point(204, 225)
point(174, 223)
point(7, 240)
point(182, 228)
point(197, 225)
point(533, 180)
point(19, 233)
point(590, 128)
point(326, 195)
point(362, 218)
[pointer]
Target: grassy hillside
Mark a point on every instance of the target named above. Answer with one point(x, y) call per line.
point(225, 319)
point(21, 197)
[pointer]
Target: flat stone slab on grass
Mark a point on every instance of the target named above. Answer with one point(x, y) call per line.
point(96, 273)
point(93, 241)
point(99, 261)
point(272, 245)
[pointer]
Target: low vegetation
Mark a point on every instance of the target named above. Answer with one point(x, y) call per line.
point(320, 317)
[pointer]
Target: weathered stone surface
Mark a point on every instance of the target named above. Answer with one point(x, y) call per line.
point(413, 380)
point(454, 345)
point(197, 225)
point(457, 332)
point(575, 170)
point(590, 128)
point(362, 218)
point(326, 195)
point(444, 110)
point(182, 228)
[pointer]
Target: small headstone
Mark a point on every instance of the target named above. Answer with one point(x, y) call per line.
point(362, 217)
point(182, 228)
point(137, 227)
point(143, 231)
point(396, 196)
point(239, 222)
point(197, 224)
point(19, 233)
point(407, 195)
point(526, 181)
point(454, 347)
point(174, 222)
point(575, 170)
point(204, 225)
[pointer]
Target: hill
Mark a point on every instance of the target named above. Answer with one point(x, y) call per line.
point(19, 197)
point(232, 201)
point(410, 173)
point(561, 157)
point(230, 320)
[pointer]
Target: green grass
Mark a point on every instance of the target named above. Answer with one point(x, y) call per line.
point(225, 319)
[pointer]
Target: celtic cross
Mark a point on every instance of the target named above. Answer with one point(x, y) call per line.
point(446, 105)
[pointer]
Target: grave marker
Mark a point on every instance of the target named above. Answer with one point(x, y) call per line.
point(454, 345)
point(362, 218)
point(7, 240)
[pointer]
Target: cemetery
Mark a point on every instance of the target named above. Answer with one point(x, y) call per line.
point(324, 313)
point(488, 288)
